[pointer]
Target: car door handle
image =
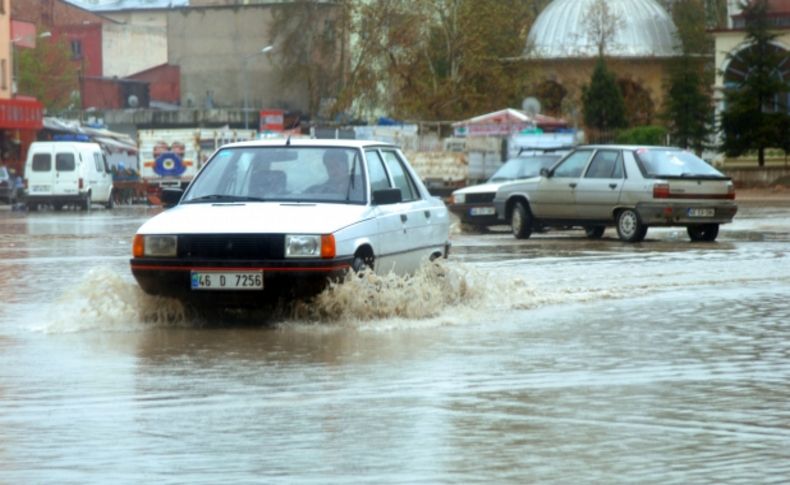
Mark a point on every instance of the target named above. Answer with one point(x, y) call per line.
point(572, 185)
point(404, 217)
point(612, 186)
point(427, 214)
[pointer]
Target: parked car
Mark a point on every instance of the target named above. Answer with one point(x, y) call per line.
point(280, 218)
point(62, 173)
point(629, 187)
point(7, 186)
point(474, 205)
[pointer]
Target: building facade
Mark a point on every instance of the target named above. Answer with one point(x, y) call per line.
point(20, 116)
point(637, 38)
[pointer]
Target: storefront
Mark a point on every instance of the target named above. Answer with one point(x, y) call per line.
point(20, 121)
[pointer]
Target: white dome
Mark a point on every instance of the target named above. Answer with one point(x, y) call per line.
point(646, 30)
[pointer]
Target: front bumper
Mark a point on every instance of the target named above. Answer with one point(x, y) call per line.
point(476, 214)
point(678, 213)
point(64, 199)
point(282, 278)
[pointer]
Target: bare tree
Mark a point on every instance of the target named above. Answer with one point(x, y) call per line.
point(601, 25)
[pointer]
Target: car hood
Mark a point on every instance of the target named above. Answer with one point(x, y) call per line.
point(480, 189)
point(257, 217)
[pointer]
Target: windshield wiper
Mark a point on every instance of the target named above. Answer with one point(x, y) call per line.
point(224, 198)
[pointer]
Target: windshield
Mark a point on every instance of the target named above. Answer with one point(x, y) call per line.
point(523, 167)
point(296, 174)
point(674, 163)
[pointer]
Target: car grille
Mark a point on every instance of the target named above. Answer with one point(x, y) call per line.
point(232, 246)
point(479, 198)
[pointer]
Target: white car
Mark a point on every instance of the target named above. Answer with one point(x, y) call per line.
point(281, 217)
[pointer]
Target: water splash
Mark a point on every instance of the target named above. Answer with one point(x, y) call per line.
point(104, 300)
point(367, 296)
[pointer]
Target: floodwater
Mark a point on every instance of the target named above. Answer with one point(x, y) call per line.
point(551, 360)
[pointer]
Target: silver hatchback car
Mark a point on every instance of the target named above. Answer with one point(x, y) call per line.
point(629, 187)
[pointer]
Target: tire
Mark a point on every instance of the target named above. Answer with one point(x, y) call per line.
point(630, 227)
point(521, 221)
point(703, 232)
point(110, 200)
point(361, 263)
point(57, 206)
point(594, 232)
point(85, 204)
point(32, 207)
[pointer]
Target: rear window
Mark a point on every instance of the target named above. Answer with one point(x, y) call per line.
point(674, 163)
point(42, 162)
point(64, 162)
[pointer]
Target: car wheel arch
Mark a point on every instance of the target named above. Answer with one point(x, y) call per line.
point(365, 254)
point(511, 203)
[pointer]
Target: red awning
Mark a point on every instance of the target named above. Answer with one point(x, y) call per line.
point(21, 114)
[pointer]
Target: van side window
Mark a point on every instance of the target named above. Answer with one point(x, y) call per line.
point(64, 162)
point(106, 165)
point(42, 162)
point(97, 161)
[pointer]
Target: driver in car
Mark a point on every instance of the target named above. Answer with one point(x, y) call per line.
point(336, 164)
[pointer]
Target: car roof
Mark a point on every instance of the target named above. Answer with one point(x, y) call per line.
point(629, 147)
point(309, 142)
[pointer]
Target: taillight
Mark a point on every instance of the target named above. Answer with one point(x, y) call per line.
point(731, 192)
point(82, 183)
point(661, 191)
point(27, 183)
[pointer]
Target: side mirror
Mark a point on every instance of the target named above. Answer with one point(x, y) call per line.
point(545, 172)
point(171, 197)
point(387, 196)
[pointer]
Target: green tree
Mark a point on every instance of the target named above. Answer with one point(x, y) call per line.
point(310, 39)
point(604, 109)
point(48, 73)
point(437, 59)
point(689, 108)
point(756, 109)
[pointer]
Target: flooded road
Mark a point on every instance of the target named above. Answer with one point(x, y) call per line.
point(551, 360)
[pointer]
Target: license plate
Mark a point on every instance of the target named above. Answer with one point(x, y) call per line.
point(702, 212)
point(40, 188)
point(227, 280)
point(482, 211)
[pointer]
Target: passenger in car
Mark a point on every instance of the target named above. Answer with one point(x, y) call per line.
point(265, 183)
point(336, 164)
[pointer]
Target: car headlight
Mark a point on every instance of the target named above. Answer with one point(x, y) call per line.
point(459, 198)
point(155, 246)
point(309, 246)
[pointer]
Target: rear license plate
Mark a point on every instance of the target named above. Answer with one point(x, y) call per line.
point(707, 212)
point(39, 188)
point(227, 280)
point(482, 211)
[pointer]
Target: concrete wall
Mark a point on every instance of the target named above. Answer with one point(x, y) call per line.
point(759, 177)
point(211, 44)
point(131, 48)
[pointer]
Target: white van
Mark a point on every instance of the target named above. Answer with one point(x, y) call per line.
point(62, 173)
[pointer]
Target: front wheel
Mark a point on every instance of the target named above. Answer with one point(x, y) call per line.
point(110, 200)
point(361, 263)
point(703, 232)
point(521, 221)
point(629, 227)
